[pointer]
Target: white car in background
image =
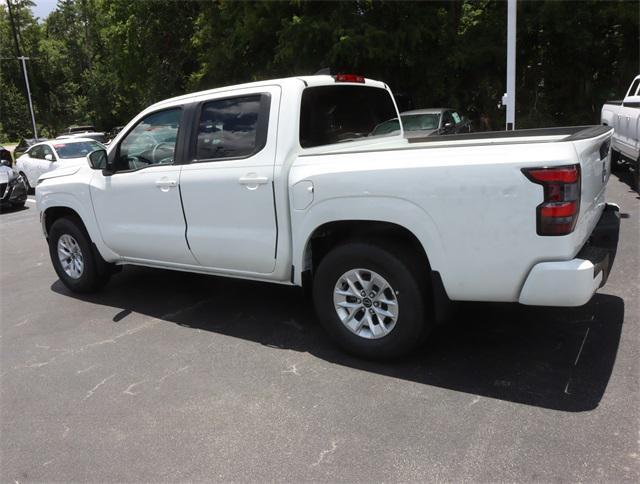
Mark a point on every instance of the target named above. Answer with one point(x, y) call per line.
point(51, 155)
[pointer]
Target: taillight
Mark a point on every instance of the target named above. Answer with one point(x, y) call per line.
point(349, 78)
point(558, 214)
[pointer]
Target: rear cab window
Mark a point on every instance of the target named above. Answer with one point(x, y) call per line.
point(342, 113)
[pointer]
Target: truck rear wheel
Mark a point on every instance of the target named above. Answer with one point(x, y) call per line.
point(370, 300)
point(77, 264)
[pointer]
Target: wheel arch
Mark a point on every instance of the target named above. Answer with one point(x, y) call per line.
point(51, 214)
point(348, 216)
point(51, 211)
point(331, 234)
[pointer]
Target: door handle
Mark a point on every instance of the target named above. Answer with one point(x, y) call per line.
point(165, 184)
point(252, 181)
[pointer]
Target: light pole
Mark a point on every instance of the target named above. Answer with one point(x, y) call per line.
point(23, 59)
point(26, 82)
point(509, 99)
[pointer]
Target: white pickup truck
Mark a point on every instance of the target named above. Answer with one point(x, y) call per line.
point(624, 117)
point(283, 181)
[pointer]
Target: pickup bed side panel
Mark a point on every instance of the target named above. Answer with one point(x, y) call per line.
point(471, 207)
point(624, 117)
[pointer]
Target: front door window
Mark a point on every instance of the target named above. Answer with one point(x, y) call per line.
point(151, 142)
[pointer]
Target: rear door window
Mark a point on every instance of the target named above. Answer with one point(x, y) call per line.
point(634, 88)
point(232, 127)
point(337, 114)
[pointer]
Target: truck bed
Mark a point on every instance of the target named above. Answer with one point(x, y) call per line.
point(570, 133)
point(627, 104)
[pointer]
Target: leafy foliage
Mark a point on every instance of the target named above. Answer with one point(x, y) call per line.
point(101, 61)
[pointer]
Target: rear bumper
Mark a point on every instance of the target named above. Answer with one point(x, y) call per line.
point(573, 282)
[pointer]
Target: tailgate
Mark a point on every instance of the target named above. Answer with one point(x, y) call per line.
point(593, 150)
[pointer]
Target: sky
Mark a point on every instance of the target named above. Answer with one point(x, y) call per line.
point(43, 8)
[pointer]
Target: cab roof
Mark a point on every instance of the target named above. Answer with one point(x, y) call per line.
point(304, 81)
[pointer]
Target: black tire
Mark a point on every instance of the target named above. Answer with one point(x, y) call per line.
point(19, 204)
point(26, 184)
point(95, 272)
point(406, 277)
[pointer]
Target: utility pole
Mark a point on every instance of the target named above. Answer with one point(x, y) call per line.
point(13, 29)
point(509, 99)
point(23, 65)
point(26, 82)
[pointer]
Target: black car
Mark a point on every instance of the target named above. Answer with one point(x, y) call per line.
point(24, 145)
point(13, 191)
point(113, 132)
point(5, 156)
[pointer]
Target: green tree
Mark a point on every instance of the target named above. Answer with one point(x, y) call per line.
point(101, 61)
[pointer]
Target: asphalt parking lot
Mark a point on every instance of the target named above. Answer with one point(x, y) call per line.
point(167, 376)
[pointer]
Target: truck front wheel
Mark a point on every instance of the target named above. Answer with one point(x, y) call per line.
point(371, 300)
point(78, 266)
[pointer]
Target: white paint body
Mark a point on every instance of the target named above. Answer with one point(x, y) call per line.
point(467, 203)
point(624, 118)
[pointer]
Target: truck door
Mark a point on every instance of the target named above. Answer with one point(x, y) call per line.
point(227, 187)
point(138, 206)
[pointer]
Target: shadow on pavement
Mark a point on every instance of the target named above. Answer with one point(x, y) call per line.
point(10, 209)
point(628, 177)
point(546, 357)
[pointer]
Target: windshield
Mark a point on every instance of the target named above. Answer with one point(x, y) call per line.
point(417, 122)
point(387, 127)
point(78, 149)
point(340, 113)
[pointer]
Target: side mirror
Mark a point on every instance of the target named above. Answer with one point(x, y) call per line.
point(5, 163)
point(446, 127)
point(49, 157)
point(98, 160)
